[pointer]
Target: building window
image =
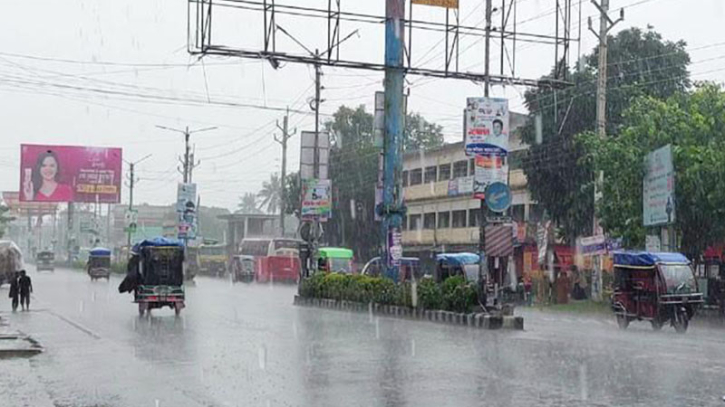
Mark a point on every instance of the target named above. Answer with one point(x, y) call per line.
point(429, 221)
point(459, 219)
point(405, 179)
point(416, 177)
point(473, 216)
point(415, 222)
point(430, 174)
point(460, 169)
point(471, 167)
point(444, 220)
point(444, 172)
point(404, 225)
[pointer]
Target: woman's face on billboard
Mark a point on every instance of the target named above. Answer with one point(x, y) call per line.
point(49, 169)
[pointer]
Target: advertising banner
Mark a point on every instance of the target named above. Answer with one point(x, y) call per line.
point(659, 188)
point(593, 245)
point(186, 211)
point(489, 169)
point(487, 126)
point(395, 247)
point(316, 199)
point(438, 3)
point(311, 145)
point(70, 174)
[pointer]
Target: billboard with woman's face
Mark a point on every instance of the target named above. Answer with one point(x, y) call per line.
point(70, 174)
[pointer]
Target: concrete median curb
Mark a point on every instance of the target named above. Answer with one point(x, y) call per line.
point(473, 320)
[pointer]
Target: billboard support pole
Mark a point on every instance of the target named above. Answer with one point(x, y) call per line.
point(483, 261)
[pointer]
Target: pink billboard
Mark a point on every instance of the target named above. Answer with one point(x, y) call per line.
point(70, 174)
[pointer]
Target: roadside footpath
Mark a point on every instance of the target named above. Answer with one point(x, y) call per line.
point(20, 386)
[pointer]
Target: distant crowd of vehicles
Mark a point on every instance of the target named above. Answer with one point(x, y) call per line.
point(660, 288)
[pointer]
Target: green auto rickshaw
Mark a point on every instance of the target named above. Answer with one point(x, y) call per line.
point(335, 260)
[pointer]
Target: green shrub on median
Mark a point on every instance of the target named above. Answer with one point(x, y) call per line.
point(455, 294)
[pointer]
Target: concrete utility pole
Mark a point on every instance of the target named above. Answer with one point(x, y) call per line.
point(131, 183)
point(605, 25)
point(392, 208)
point(187, 162)
point(286, 135)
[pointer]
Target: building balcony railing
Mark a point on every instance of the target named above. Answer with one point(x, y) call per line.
point(440, 189)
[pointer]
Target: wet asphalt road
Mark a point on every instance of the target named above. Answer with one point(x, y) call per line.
point(247, 345)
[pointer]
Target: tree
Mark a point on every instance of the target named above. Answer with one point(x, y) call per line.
point(5, 219)
point(421, 134)
point(292, 192)
point(640, 64)
point(354, 171)
point(248, 204)
point(694, 124)
point(270, 194)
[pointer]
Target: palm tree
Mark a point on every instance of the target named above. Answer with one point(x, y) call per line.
point(270, 194)
point(248, 203)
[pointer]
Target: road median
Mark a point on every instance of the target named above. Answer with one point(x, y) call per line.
point(473, 320)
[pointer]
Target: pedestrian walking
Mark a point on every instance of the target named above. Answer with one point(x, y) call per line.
point(26, 287)
point(14, 290)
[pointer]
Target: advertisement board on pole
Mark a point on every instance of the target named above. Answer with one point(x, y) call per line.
point(486, 126)
point(308, 146)
point(659, 188)
point(395, 247)
point(50, 173)
point(316, 199)
point(186, 211)
point(488, 169)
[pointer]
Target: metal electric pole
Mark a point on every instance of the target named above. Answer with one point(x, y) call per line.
point(286, 135)
point(392, 208)
point(483, 262)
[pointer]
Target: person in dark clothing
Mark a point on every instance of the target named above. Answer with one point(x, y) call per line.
point(26, 287)
point(14, 290)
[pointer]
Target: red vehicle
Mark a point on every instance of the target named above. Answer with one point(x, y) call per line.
point(655, 287)
point(274, 259)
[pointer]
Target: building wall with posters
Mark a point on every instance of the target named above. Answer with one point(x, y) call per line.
point(442, 214)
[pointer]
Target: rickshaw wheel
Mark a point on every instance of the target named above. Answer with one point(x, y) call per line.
point(141, 308)
point(622, 321)
point(680, 322)
point(657, 324)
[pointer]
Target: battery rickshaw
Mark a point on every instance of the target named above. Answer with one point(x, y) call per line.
point(656, 287)
point(45, 260)
point(156, 275)
point(99, 263)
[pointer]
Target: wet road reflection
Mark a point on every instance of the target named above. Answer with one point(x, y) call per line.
point(246, 344)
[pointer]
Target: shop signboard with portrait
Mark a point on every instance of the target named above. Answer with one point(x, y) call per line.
point(50, 173)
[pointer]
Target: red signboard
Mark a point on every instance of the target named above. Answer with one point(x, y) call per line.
point(70, 174)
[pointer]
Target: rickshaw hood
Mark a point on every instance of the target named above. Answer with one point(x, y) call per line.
point(647, 259)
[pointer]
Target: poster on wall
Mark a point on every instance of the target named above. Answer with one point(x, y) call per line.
point(50, 173)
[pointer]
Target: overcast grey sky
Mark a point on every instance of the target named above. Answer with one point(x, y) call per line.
point(60, 59)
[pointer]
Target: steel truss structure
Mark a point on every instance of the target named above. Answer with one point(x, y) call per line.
point(200, 29)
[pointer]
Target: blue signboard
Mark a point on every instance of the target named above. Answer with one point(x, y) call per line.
point(498, 197)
